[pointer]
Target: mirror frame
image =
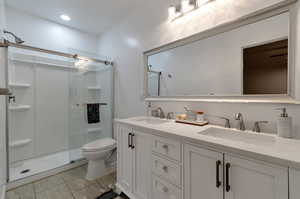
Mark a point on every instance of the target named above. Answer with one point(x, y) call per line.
point(249, 19)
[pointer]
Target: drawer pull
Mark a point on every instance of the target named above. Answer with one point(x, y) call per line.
point(132, 144)
point(228, 165)
point(165, 189)
point(166, 147)
point(165, 168)
point(218, 182)
point(129, 140)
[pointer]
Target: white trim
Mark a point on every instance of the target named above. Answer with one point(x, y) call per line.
point(2, 192)
point(265, 100)
point(120, 189)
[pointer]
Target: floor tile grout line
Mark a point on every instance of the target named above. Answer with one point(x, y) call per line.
point(67, 185)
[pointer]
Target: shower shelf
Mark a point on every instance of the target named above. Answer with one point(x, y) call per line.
point(19, 85)
point(20, 143)
point(94, 88)
point(93, 130)
point(19, 108)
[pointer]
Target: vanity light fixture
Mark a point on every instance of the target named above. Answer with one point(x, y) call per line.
point(186, 6)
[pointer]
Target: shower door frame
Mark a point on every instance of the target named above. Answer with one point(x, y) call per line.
point(6, 44)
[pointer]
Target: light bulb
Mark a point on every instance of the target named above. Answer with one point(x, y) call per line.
point(65, 17)
point(187, 6)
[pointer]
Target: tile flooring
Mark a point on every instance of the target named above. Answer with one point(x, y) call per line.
point(70, 184)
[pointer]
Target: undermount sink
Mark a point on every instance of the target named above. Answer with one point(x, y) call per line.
point(152, 120)
point(240, 136)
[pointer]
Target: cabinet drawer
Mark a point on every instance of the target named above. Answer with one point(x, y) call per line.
point(169, 148)
point(166, 169)
point(164, 190)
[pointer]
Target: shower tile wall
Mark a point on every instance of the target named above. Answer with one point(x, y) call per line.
point(42, 128)
point(55, 118)
point(52, 106)
point(21, 123)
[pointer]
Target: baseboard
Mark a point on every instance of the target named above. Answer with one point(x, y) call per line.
point(2, 192)
point(40, 176)
point(120, 189)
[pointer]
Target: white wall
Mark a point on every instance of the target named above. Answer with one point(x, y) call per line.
point(42, 33)
point(2, 109)
point(148, 27)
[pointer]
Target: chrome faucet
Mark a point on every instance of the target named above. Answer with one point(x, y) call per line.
point(158, 113)
point(240, 119)
point(256, 127)
point(227, 120)
point(170, 115)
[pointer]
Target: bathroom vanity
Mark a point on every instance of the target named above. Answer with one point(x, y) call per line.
point(162, 159)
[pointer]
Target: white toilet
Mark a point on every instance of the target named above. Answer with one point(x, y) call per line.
point(96, 152)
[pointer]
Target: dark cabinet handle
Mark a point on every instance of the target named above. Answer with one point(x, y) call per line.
point(227, 177)
point(132, 145)
point(129, 140)
point(218, 182)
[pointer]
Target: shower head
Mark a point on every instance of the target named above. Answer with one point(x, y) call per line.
point(18, 40)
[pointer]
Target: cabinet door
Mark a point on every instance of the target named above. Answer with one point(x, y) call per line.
point(141, 165)
point(200, 173)
point(294, 184)
point(253, 179)
point(125, 157)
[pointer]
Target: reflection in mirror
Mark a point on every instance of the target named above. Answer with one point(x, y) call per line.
point(249, 60)
point(266, 68)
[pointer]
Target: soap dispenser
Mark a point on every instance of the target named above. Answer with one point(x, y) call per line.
point(284, 124)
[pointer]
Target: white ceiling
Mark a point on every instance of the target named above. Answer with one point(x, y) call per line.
point(92, 16)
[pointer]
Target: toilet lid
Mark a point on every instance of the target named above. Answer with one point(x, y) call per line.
point(99, 145)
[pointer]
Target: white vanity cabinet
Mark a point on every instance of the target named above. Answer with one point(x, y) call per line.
point(294, 183)
point(156, 167)
point(203, 169)
point(133, 169)
point(242, 179)
point(248, 179)
point(125, 157)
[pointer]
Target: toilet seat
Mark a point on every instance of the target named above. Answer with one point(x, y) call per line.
point(100, 145)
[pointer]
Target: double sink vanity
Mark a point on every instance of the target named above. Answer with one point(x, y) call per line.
point(161, 159)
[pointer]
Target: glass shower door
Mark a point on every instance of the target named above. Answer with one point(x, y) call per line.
point(91, 84)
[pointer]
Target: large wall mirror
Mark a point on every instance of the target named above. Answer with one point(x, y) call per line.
point(248, 60)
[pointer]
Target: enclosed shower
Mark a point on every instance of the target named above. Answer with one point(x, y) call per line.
point(47, 107)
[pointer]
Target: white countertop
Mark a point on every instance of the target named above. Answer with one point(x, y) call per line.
point(285, 152)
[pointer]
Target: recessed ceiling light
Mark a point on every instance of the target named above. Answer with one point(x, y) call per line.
point(65, 17)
